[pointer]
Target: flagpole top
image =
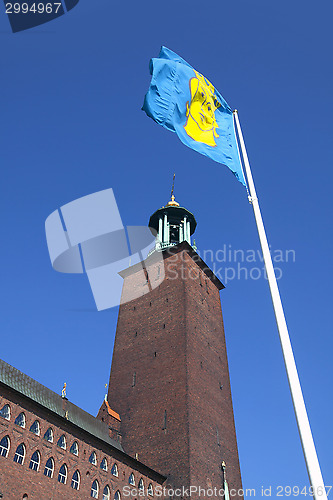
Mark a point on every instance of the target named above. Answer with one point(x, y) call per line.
point(235, 111)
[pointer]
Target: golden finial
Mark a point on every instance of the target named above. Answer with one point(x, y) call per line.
point(63, 392)
point(173, 203)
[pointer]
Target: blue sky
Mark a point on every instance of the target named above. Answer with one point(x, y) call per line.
point(71, 124)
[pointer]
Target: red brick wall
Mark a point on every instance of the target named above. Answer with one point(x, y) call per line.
point(211, 419)
point(143, 385)
point(170, 367)
point(17, 480)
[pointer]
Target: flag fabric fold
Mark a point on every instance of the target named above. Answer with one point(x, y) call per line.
point(182, 100)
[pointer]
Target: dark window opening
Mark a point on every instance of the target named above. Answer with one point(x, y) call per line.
point(62, 476)
point(34, 461)
point(20, 420)
point(19, 454)
point(49, 468)
point(174, 234)
point(4, 446)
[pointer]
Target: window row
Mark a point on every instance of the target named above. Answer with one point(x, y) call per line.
point(62, 476)
point(74, 449)
point(103, 464)
point(49, 469)
point(94, 492)
point(35, 429)
point(34, 464)
point(48, 436)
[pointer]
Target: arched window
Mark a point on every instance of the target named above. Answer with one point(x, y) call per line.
point(141, 486)
point(62, 476)
point(62, 442)
point(104, 464)
point(114, 470)
point(4, 446)
point(106, 493)
point(5, 412)
point(75, 484)
point(34, 461)
point(93, 458)
point(49, 468)
point(35, 428)
point(20, 420)
point(94, 489)
point(117, 495)
point(19, 454)
point(48, 436)
point(75, 448)
point(131, 480)
point(150, 490)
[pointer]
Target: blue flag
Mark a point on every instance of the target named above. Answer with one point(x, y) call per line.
point(184, 101)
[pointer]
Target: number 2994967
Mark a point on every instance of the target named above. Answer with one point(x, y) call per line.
point(35, 8)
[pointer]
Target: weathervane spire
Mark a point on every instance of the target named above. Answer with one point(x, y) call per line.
point(173, 203)
point(173, 185)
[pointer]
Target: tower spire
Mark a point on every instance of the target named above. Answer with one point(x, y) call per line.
point(173, 184)
point(173, 203)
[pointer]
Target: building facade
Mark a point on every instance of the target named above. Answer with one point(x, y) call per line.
point(51, 449)
point(167, 420)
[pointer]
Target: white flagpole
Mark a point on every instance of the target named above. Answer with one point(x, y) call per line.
point(309, 450)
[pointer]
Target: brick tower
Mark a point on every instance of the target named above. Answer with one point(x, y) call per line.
point(169, 377)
